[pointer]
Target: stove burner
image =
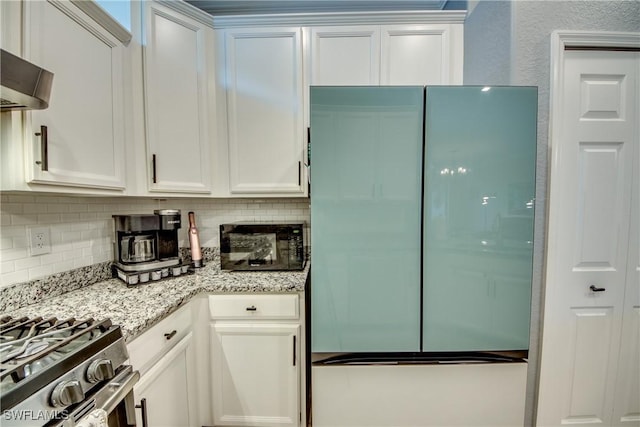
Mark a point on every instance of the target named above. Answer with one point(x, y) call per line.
point(43, 348)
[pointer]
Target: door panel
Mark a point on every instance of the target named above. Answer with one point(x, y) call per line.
point(345, 55)
point(601, 205)
point(591, 330)
point(588, 339)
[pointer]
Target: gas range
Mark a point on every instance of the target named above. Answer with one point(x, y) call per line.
point(55, 372)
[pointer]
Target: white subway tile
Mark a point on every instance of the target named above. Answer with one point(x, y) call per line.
point(82, 262)
point(80, 207)
point(38, 272)
point(51, 258)
point(13, 254)
point(88, 216)
point(26, 263)
point(71, 236)
point(17, 198)
point(24, 219)
point(6, 243)
point(58, 208)
point(49, 218)
point(19, 242)
point(7, 267)
point(15, 277)
point(72, 254)
point(62, 266)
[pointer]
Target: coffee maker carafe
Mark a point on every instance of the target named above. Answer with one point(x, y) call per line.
point(146, 243)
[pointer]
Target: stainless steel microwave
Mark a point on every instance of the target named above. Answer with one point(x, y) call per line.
point(262, 246)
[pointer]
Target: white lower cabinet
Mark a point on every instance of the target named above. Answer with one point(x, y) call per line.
point(165, 391)
point(256, 360)
point(166, 394)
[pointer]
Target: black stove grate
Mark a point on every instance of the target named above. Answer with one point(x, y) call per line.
point(69, 341)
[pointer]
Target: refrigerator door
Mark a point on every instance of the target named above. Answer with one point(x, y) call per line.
point(480, 159)
point(366, 159)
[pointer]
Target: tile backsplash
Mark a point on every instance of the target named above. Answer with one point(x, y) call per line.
point(82, 228)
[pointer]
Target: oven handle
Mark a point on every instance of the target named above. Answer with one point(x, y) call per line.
point(124, 387)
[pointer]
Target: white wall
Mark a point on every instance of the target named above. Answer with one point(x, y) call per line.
point(524, 50)
point(82, 227)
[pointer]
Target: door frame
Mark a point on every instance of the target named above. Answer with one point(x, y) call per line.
point(560, 41)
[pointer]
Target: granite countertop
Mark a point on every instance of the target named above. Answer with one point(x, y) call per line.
point(138, 308)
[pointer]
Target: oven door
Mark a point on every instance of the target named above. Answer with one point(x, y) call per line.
point(112, 402)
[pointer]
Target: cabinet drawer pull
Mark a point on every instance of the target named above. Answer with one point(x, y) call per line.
point(143, 408)
point(252, 308)
point(594, 288)
point(44, 148)
point(170, 334)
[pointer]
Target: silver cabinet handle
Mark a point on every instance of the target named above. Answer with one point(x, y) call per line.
point(44, 148)
point(143, 409)
point(594, 288)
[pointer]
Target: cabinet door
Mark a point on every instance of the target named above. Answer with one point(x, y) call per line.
point(255, 374)
point(84, 121)
point(175, 71)
point(168, 388)
point(265, 113)
point(421, 54)
point(345, 56)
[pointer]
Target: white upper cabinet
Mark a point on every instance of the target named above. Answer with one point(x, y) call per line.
point(79, 140)
point(176, 49)
point(424, 54)
point(263, 72)
point(429, 54)
point(345, 55)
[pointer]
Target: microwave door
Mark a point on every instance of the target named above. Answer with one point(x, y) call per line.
point(256, 249)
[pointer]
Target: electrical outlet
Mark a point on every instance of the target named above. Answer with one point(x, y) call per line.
point(39, 240)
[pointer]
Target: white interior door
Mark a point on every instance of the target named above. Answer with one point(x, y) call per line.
point(592, 259)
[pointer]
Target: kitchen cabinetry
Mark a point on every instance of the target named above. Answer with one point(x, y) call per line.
point(165, 357)
point(263, 73)
point(177, 60)
point(79, 140)
point(426, 54)
point(346, 55)
point(256, 359)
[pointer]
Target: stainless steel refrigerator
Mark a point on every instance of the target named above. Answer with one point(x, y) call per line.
point(421, 224)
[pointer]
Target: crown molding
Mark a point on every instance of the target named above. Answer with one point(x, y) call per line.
point(188, 10)
point(341, 18)
point(105, 20)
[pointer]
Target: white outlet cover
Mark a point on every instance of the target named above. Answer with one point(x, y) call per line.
point(39, 240)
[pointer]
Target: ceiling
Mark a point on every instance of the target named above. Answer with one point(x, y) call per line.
point(239, 7)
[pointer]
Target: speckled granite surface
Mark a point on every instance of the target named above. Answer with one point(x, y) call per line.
point(18, 295)
point(136, 309)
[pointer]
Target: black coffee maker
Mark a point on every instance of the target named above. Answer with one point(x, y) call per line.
point(146, 246)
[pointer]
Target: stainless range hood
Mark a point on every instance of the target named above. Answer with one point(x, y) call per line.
point(25, 86)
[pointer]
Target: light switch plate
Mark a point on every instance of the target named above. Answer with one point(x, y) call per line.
point(39, 240)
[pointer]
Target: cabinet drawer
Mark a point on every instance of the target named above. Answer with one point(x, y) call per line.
point(154, 343)
point(251, 306)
